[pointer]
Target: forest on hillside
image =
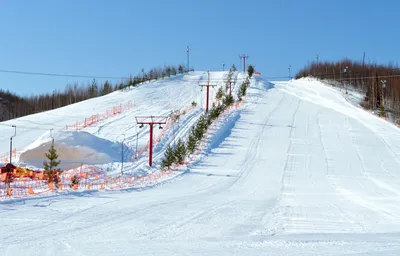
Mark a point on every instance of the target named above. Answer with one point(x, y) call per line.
point(13, 106)
point(380, 83)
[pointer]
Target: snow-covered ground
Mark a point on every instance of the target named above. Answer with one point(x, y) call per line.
point(158, 98)
point(298, 170)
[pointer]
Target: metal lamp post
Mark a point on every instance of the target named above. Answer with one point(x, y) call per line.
point(345, 75)
point(187, 53)
point(382, 98)
point(15, 134)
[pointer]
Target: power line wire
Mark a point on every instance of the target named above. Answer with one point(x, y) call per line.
point(60, 75)
point(99, 77)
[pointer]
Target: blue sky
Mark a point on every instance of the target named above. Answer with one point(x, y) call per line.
point(118, 38)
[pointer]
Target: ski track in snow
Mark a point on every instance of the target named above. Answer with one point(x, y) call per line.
point(297, 170)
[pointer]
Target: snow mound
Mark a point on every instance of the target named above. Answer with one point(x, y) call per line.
point(74, 148)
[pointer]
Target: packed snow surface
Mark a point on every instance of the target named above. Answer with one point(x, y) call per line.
point(73, 149)
point(300, 171)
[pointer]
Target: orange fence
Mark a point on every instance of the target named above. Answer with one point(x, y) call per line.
point(89, 121)
point(86, 177)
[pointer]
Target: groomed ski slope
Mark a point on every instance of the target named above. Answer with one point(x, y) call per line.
point(301, 172)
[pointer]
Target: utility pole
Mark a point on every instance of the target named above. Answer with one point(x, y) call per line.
point(187, 53)
point(316, 55)
point(142, 74)
point(223, 66)
point(382, 96)
point(244, 57)
point(151, 121)
point(345, 75)
point(363, 60)
point(289, 72)
point(15, 134)
point(207, 90)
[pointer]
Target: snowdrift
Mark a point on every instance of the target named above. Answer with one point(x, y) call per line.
point(73, 148)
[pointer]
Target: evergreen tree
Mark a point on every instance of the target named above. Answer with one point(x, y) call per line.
point(93, 89)
point(243, 89)
point(168, 70)
point(169, 158)
point(49, 167)
point(52, 156)
point(173, 71)
point(215, 112)
point(220, 94)
point(201, 128)
point(107, 88)
point(191, 143)
point(233, 68)
point(250, 70)
point(228, 100)
point(151, 74)
point(180, 152)
point(180, 69)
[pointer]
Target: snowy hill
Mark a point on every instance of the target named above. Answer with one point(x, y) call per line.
point(299, 170)
point(159, 98)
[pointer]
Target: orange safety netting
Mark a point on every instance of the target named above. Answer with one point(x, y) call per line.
point(87, 177)
point(89, 121)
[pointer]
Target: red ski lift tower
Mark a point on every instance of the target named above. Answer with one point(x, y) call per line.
point(208, 90)
point(244, 57)
point(151, 121)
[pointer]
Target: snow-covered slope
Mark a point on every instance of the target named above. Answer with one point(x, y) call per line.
point(155, 98)
point(300, 171)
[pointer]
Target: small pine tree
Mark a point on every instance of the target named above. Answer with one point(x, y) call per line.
point(216, 112)
point(106, 88)
point(233, 68)
point(228, 100)
point(243, 89)
point(168, 71)
point(169, 158)
point(173, 71)
point(180, 69)
point(93, 89)
point(180, 152)
point(201, 128)
point(250, 70)
point(220, 94)
point(191, 144)
point(49, 167)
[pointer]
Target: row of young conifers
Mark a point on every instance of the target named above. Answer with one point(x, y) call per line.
point(224, 99)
